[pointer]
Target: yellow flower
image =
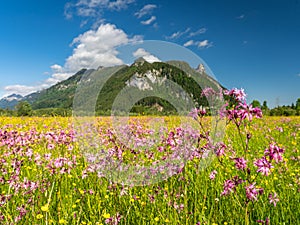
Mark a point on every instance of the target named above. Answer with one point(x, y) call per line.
point(39, 216)
point(106, 215)
point(45, 208)
point(106, 196)
point(62, 221)
point(156, 219)
point(74, 206)
point(167, 220)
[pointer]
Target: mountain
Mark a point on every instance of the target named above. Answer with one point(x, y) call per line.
point(145, 87)
point(10, 101)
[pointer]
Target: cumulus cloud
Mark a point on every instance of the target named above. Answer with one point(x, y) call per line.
point(146, 55)
point(91, 49)
point(146, 10)
point(149, 21)
point(199, 44)
point(97, 47)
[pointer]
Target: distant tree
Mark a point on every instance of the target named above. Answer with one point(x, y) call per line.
point(24, 109)
point(256, 103)
point(293, 106)
point(298, 104)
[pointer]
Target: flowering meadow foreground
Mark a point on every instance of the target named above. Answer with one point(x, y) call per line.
point(252, 176)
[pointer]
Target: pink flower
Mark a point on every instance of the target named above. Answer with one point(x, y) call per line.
point(50, 146)
point(213, 175)
point(275, 153)
point(229, 186)
point(251, 192)
point(273, 198)
point(240, 163)
point(263, 165)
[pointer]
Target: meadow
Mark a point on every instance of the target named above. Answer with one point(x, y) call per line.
point(252, 177)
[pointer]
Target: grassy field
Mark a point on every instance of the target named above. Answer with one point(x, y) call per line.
point(46, 177)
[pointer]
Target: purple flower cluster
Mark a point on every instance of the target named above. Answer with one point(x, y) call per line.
point(252, 192)
point(240, 163)
point(114, 220)
point(274, 153)
point(264, 166)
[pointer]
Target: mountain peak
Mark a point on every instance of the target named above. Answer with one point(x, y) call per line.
point(201, 68)
point(13, 97)
point(140, 60)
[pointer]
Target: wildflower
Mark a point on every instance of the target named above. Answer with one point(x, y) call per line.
point(213, 175)
point(220, 149)
point(251, 192)
point(39, 216)
point(194, 113)
point(114, 220)
point(156, 219)
point(264, 221)
point(45, 208)
point(263, 165)
point(240, 163)
point(238, 94)
point(229, 186)
point(62, 221)
point(273, 198)
point(50, 146)
point(106, 215)
point(275, 153)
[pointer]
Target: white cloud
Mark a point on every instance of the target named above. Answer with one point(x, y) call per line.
point(97, 47)
point(146, 55)
point(178, 34)
point(200, 31)
point(199, 44)
point(146, 10)
point(56, 67)
point(93, 9)
point(241, 17)
point(204, 44)
point(188, 43)
point(92, 49)
point(20, 89)
point(149, 21)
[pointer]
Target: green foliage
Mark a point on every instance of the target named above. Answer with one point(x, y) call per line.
point(256, 103)
point(24, 109)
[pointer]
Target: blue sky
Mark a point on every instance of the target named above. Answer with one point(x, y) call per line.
point(250, 44)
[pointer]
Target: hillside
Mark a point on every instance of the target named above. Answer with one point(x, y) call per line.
point(144, 77)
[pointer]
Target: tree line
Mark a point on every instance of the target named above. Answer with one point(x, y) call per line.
point(284, 110)
point(24, 109)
